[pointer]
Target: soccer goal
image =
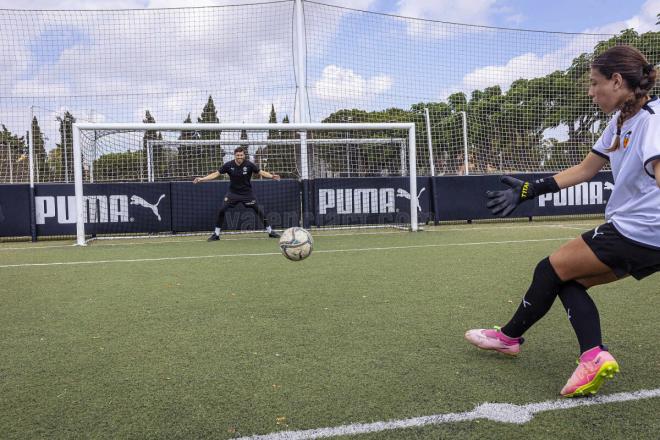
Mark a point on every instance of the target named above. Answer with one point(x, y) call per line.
point(137, 179)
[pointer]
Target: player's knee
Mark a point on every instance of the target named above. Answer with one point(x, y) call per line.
point(546, 270)
point(559, 266)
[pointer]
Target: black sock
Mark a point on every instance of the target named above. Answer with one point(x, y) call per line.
point(582, 313)
point(537, 301)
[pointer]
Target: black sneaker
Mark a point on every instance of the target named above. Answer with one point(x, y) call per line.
point(273, 234)
point(213, 237)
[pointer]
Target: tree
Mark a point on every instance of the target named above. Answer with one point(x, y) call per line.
point(158, 165)
point(213, 154)
point(446, 135)
point(63, 170)
point(13, 157)
point(41, 166)
point(189, 156)
point(125, 166)
point(359, 159)
point(269, 155)
point(278, 158)
point(261, 155)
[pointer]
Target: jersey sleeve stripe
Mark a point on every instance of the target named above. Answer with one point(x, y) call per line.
point(648, 162)
point(603, 155)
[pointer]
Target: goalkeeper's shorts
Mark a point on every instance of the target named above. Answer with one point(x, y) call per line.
point(232, 199)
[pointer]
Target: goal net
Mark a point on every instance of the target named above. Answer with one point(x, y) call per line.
point(135, 179)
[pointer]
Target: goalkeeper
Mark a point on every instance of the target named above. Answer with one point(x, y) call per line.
point(240, 171)
point(627, 244)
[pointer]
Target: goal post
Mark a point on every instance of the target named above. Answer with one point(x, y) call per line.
point(303, 153)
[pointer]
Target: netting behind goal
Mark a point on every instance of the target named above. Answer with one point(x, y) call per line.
point(139, 179)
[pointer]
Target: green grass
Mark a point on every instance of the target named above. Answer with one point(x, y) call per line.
point(228, 345)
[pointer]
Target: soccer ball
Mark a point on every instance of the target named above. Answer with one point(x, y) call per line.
point(296, 243)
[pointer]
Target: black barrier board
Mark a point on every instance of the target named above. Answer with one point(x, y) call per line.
point(184, 207)
point(14, 210)
point(464, 197)
point(368, 200)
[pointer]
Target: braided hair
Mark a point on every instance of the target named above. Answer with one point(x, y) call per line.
point(638, 74)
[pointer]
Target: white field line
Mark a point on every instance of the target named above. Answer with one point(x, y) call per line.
point(262, 254)
point(575, 227)
point(156, 240)
point(499, 412)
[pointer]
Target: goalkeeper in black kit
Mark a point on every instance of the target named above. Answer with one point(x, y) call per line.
point(240, 171)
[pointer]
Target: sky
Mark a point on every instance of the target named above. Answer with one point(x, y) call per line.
point(558, 15)
point(114, 65)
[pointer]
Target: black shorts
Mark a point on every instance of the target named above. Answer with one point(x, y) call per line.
point(621, 254)
point(232, 199)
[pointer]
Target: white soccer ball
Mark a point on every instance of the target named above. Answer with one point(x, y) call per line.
point(296, 243)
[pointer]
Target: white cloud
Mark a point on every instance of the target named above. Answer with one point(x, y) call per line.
point(516, 19)
point(644, 21)
point(528, 65)
point(475, 12)
point(152, 4)
point(114, 4)
point(39, 87)
point(342, 84)
point(362, 5)
point(71, 4)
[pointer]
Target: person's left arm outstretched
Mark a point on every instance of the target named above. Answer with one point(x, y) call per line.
point(268, 175)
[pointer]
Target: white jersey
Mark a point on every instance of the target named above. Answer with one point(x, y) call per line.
point(634, 206)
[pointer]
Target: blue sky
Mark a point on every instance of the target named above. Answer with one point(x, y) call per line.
point(567, 15)
point(556, 15)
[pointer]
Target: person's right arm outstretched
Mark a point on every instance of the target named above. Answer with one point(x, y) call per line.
point(503, 202)
point(213, 175)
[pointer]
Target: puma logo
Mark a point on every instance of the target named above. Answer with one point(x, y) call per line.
point(526, 303)
point(596, 233)
point(137, 200)
point(400, 192)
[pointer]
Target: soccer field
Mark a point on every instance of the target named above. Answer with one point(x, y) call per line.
point(178, 338)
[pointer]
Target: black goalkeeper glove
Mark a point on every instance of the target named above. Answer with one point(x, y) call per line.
point(503, 202)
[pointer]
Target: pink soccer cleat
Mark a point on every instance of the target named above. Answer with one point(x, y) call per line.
point(595, 366)
point(494, 339)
